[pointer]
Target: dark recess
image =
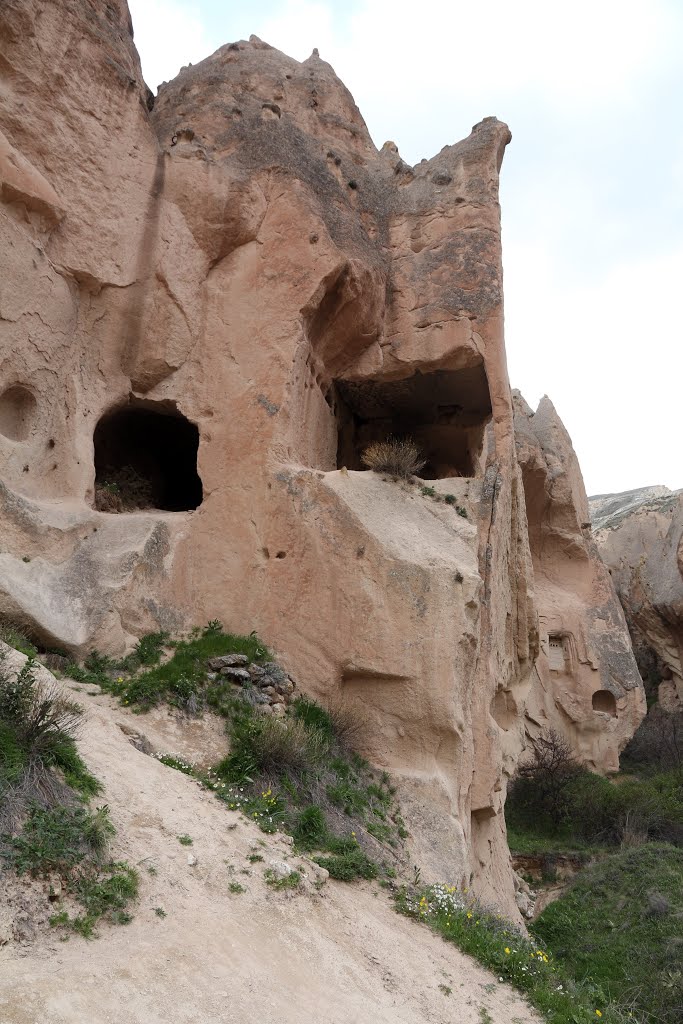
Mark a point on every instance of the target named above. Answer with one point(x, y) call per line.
point(445, 412)
point(158, 444)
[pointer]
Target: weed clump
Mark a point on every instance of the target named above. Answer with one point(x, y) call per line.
point(39, 760)
point(123, 489)
point(400, 457)
point(349, 865)
point(70, 843)
point(290, 881)
point(45, 828)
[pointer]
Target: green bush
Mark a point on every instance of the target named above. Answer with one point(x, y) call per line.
point(554, 796)
point(349, 865)
point(39, 761)
point(310, 829)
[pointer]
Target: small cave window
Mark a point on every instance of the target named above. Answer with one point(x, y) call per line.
point(445, 412)
point(18, 409)
point(606, 702)
point(146, 458)
point(558, 654)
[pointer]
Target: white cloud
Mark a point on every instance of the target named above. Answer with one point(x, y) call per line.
point(609, 356)
point(168, 35)
point(587, 53)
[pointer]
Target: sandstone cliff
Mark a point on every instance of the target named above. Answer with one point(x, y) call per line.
point(224, 299)
point(586, 683)
point(640, 537)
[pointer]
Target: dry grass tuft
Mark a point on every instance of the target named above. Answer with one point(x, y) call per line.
point(400, 457)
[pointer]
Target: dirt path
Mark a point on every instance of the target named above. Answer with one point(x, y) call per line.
point(340, 955)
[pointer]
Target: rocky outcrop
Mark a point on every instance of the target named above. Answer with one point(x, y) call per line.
point(586, 681)
point(640, 537)
point(209, 309)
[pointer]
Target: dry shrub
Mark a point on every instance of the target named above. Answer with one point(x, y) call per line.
point(541, 791)
point(281, 745)
point(400, 457)
point(123, 490)
point(347, 723)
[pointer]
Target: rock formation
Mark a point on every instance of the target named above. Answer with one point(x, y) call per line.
point(586, 681)
point(214, 302)
point(640, 537)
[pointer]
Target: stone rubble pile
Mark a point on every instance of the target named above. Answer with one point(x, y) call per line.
point(266, 686)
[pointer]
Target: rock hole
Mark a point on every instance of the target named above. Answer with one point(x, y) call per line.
point(18, 409)
point(353, 185)
point(606, 702)
point(146, 457)
point(281, 554)
point(444, 412)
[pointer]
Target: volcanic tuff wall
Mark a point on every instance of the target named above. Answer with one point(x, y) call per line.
point(586, 683)
point(237, 272)
point(640, 537)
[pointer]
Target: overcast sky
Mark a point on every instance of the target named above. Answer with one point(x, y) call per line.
point(592, 183)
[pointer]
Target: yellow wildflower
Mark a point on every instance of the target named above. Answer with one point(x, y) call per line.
point(507, 951)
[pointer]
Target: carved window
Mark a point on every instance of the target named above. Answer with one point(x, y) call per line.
point(558, 654)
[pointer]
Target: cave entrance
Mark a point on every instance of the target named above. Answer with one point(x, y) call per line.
point(146, 457)
point(605, 701)
point(445, 412)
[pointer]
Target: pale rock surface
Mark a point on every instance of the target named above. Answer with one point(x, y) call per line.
point(586, 682)
point(242, 264)
point(640, 537)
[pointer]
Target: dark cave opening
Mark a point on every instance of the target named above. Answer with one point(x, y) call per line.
point(146, 457)
point(445, 412)
point(604, 701)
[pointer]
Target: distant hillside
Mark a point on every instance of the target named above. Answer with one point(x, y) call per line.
point(608, 510)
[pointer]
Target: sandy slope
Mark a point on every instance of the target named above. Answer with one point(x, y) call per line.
point(337, 956)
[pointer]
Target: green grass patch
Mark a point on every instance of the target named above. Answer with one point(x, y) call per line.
point(71, 843)
point(294, 773)
point(142, 681)
point(620, 926)
point(348, 866)
point(14, 636)
point(492, 941)
point(528, 841)
point(290, 881)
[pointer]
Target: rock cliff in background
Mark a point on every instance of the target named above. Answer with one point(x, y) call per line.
point(586, 681)
point(208, 310)
point(640, 537)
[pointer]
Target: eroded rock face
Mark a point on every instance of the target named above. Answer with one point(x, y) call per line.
point(640, 537)
point(586, 681)
point(223, 301)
